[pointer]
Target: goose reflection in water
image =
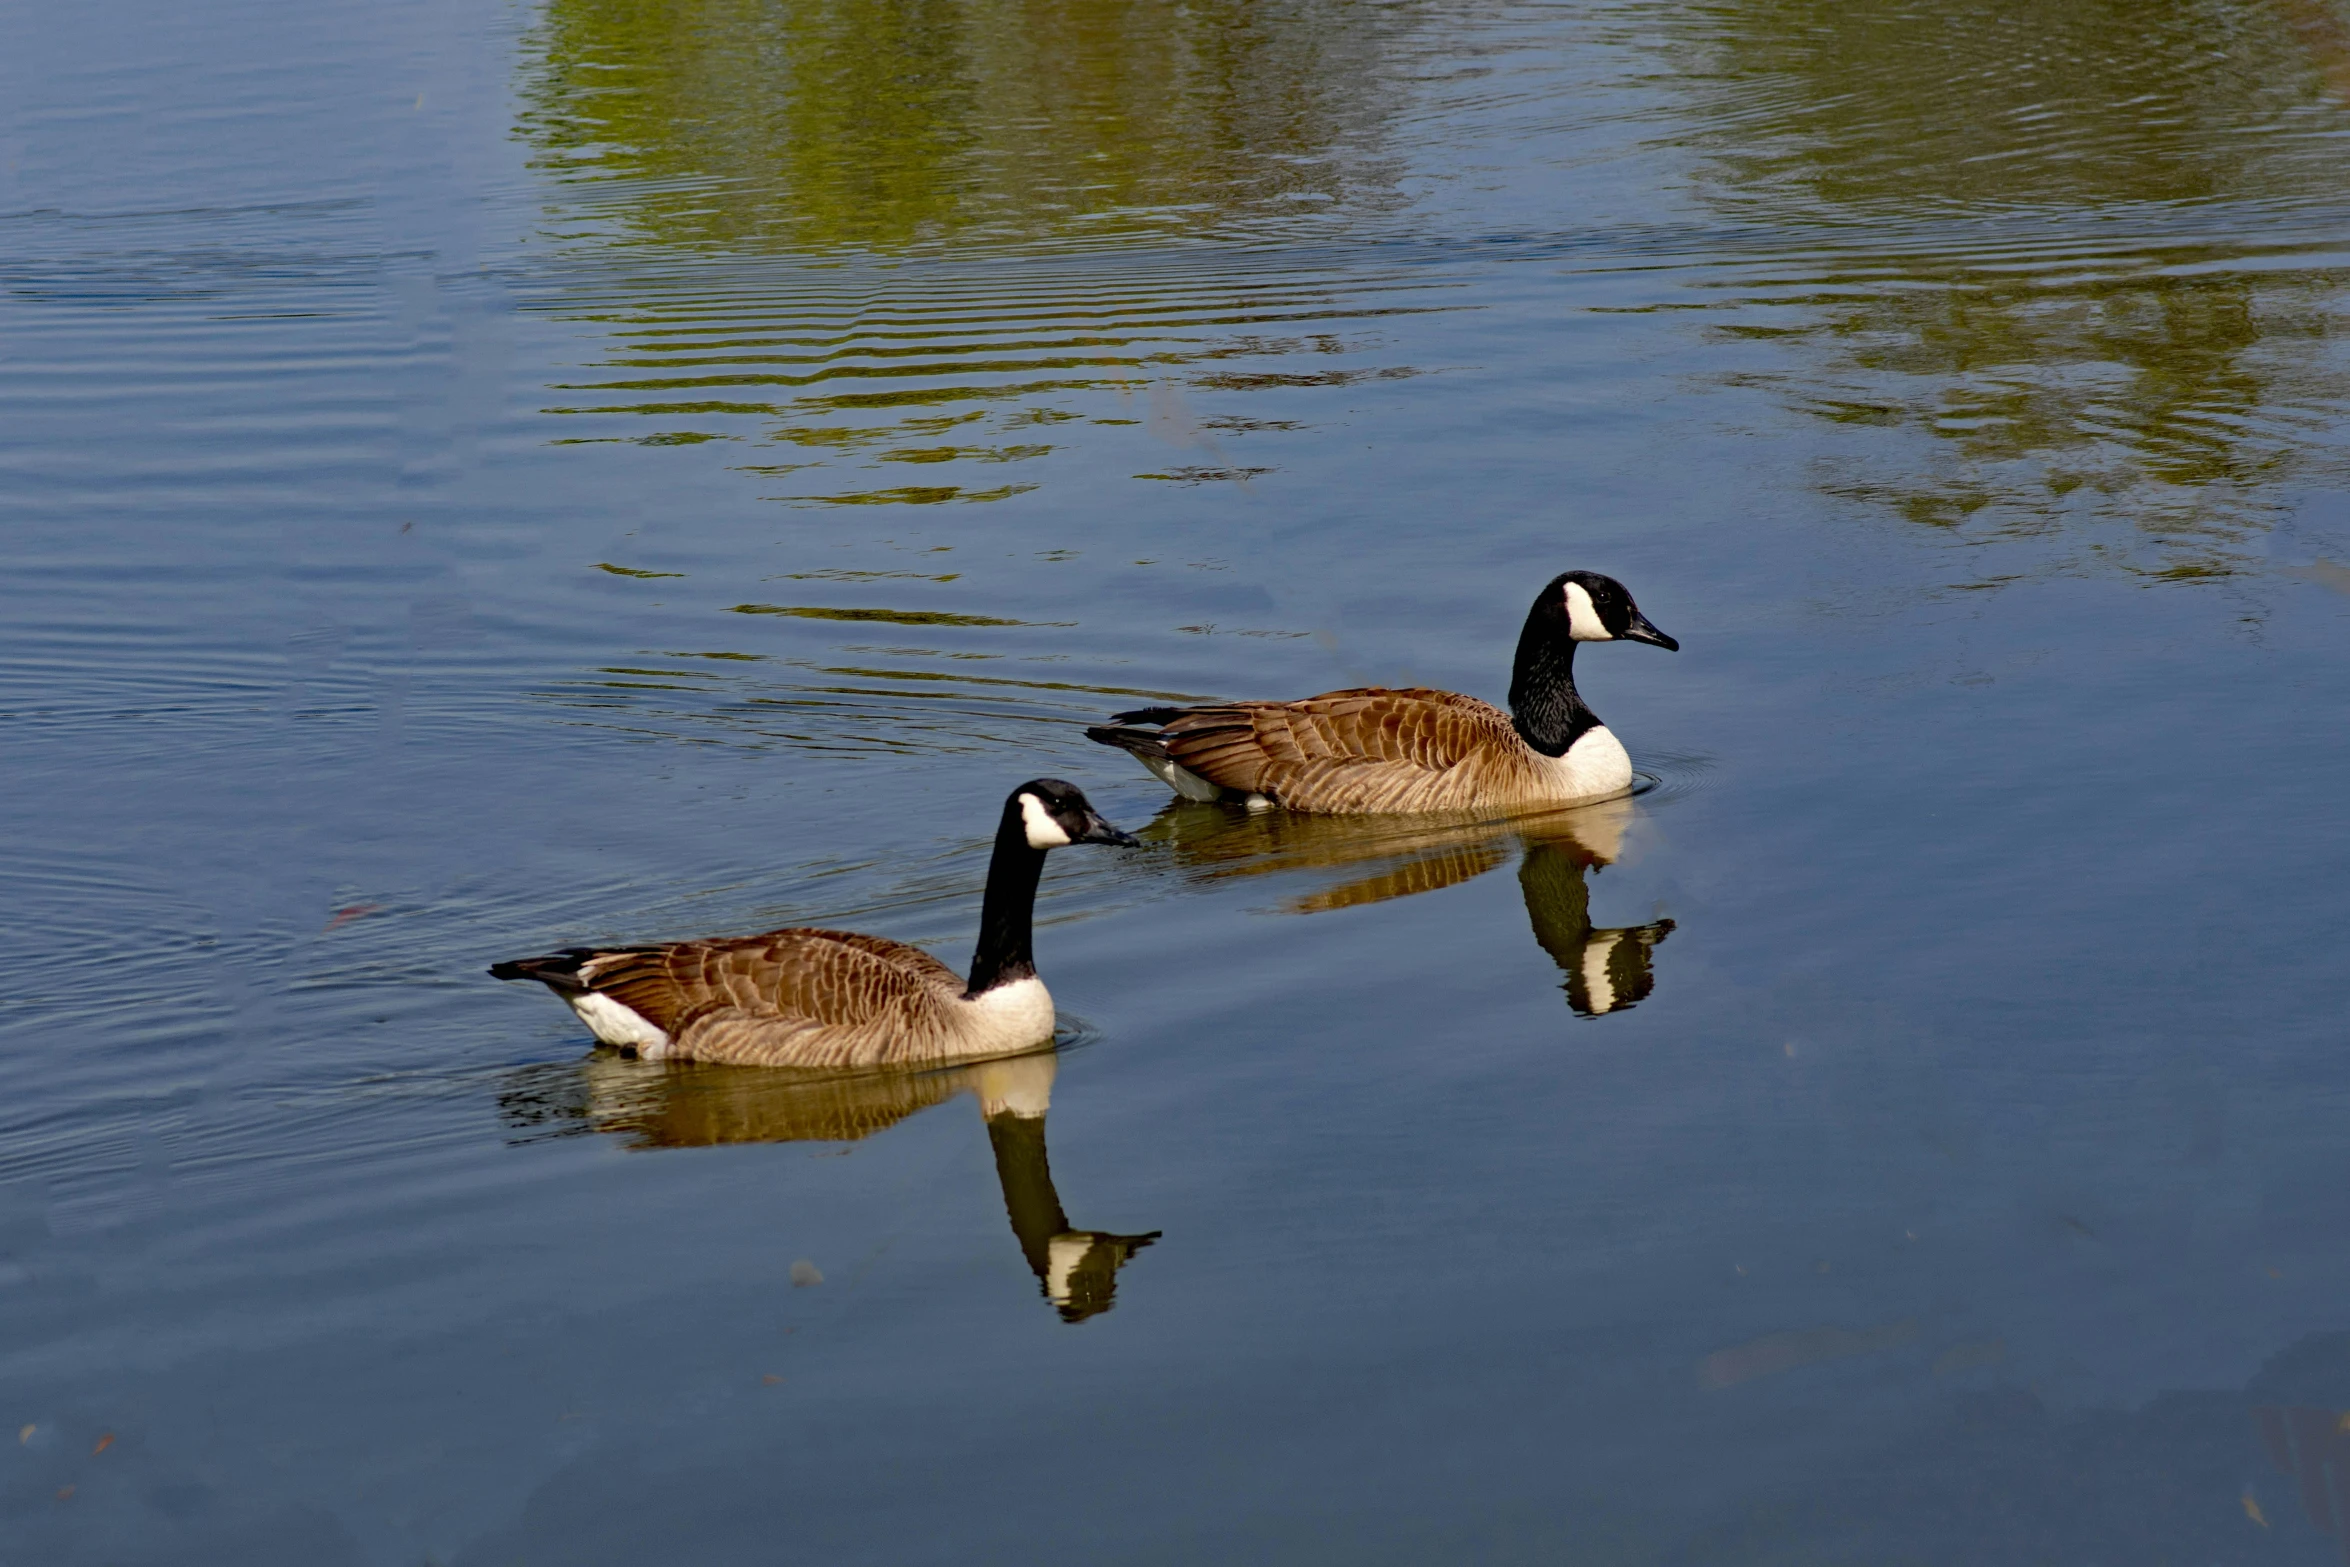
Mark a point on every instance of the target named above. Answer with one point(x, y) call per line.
point(656, 1104)
point(1607, 968)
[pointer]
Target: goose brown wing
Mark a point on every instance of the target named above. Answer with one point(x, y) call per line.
point(820, 977)
point(1362, 749)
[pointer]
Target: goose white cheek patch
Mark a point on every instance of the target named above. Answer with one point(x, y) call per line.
point(1583, 622)
point(1043, 831)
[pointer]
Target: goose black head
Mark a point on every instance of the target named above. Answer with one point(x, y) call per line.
point(1597, 609)
point(1052, 813)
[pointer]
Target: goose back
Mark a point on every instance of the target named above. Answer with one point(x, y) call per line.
point(798, 997)
point(1370, 749)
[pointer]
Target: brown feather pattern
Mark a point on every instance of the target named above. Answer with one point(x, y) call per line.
point(798, 997)
point(1366, 749)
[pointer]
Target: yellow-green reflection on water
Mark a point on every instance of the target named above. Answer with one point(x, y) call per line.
point(2088, 250)
point(826, 125)
point(899, 145)
point(1890, 110)
point(2059, 275)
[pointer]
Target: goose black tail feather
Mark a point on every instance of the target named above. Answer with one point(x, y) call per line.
point(1142, 742)
point(559, 969)
point(1150, 715)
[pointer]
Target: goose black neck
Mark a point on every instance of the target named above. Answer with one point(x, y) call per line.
point(1544, 705)
point(1008, 911)
point(1027, 1178)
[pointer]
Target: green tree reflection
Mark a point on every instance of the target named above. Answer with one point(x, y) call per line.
point(2084, 249)
point(828, 125)
point(904, 147)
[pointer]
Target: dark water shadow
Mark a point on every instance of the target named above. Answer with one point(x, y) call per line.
point(1999, 1476)
point(1357, 861)
point(652, 1104)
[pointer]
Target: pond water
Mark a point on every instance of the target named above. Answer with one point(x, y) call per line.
point(485, 478)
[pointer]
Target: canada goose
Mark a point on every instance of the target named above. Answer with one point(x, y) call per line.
point(1374, 750)
point(1606, 969)
point(805, 997)
point(690, 1105)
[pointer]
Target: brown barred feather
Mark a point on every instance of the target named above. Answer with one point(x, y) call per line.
point(798, 997)
point(1367, 749)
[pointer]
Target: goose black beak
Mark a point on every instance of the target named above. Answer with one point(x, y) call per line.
point(1641, 631)
point(1100, 831)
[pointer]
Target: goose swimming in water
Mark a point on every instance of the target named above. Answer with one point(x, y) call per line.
point(1375, 750)
point(804, 997)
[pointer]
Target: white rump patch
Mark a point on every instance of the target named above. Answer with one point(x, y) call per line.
point(615, 1024)
point(1043, 831)
point(1181, 779)
point(1583, 622)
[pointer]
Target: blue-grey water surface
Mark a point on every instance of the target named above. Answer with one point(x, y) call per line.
point(481, 478)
